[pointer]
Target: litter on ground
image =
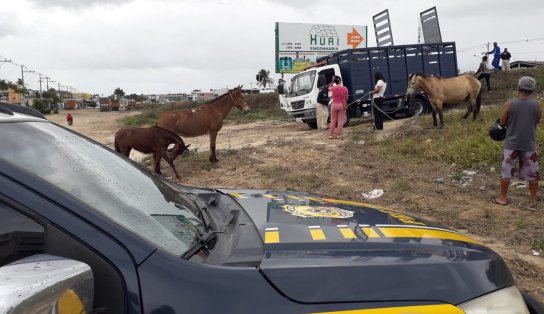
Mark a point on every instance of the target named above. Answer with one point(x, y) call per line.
point(373, 194)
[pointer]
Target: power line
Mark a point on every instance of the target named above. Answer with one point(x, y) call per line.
point(23, 67)
point(502, 43)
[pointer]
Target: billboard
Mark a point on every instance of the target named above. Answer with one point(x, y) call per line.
point(299, 45)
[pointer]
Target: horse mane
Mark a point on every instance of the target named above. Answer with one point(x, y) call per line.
point(224, 95)
point(424, 75)
point(172, 134)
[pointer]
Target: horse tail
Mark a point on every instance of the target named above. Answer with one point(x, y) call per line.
point(117, 149)
point(479, 101)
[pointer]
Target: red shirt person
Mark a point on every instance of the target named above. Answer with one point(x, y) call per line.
point(338, 113)
point(69, 119)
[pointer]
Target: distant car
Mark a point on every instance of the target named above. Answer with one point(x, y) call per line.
point(266, 90)
point(154, 246)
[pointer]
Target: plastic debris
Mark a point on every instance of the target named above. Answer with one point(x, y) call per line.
point(439, 180)
point(519, 185)
point(373, 194)
point(469, 172)
point(536, 253)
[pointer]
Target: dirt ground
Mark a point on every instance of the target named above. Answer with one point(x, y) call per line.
point(278, 155)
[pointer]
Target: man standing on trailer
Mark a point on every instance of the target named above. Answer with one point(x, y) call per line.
point(505, 57)
point(496, 56)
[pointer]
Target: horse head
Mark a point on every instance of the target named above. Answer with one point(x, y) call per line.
point(238, 99)
point(178, 149)
point(412, 85)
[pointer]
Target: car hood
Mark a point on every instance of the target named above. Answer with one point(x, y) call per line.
point(320, 249)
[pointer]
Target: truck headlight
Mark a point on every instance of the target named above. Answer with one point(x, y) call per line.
point(507, 300)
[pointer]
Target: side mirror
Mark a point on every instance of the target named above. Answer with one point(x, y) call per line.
point(46, 284)
point(281, 89)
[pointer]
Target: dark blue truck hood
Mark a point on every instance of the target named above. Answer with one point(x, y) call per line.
point(319, 249)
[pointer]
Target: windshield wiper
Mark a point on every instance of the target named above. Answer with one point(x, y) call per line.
point(208, 237)
point(202, 242)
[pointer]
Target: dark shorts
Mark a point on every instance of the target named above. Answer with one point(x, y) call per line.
point(528, 165)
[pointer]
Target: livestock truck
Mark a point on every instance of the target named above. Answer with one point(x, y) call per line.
point(356, 67)
point(70, 104)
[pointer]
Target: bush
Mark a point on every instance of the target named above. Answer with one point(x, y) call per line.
point(42, 105)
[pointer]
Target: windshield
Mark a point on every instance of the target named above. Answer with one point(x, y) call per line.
point(129, 196)
point(302, 83)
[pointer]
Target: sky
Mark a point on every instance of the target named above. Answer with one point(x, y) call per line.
point(176, 46)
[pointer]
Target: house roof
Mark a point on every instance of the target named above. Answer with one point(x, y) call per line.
point(526, 64)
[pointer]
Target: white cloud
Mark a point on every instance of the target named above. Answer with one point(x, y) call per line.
point(146, 46)
point(77, 4)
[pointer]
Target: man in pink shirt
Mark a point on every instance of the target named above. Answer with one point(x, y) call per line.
point(338, 113)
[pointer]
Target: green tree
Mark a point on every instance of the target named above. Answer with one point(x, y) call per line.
point(51, 95)
point(42, 105)
point(119, 92)
point(136, 97)
point(263, 78)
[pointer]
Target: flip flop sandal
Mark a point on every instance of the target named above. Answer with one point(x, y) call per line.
point(528, 206)
point(497, 201)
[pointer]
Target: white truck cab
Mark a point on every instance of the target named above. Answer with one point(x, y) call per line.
point(300, 99)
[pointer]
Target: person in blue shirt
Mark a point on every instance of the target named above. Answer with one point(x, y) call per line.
point(496, 51)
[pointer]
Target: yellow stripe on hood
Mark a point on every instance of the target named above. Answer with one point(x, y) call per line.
point(423, 309)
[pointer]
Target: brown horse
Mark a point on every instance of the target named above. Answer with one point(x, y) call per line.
point(442, 91)
point(207, 118)
point(153, 140)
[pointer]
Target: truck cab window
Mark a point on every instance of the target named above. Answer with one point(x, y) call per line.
point(302, 83)
point(20, 236)
point(328, 73)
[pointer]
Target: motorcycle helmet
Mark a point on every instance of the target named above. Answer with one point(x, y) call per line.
point(497, 132)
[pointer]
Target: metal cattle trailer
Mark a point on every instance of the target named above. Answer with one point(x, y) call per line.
point(396, 63)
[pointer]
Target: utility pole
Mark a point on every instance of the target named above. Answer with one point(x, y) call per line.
point(23, 71)
point(23, 77)
point(40, 79)
point(60, 95)
point(487, 51)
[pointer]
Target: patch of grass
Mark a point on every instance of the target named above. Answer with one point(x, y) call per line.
point(464, 143)
point(457, 176)
point(413, 206)
point(150, 113)
point(272, 171)
point(261, 107)
point(538, 244)
point(360, 136)
point(521, 224)
point(401, 186)
point(394, 157)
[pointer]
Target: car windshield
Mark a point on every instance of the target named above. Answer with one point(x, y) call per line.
point(128, 195)
point(303, 83)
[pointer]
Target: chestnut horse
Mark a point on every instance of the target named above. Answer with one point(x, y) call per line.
point(153, 140)
point(207, 118)
point(442, 91)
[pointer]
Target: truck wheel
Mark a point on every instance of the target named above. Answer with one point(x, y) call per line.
point(312, 124)
point(417, 107)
